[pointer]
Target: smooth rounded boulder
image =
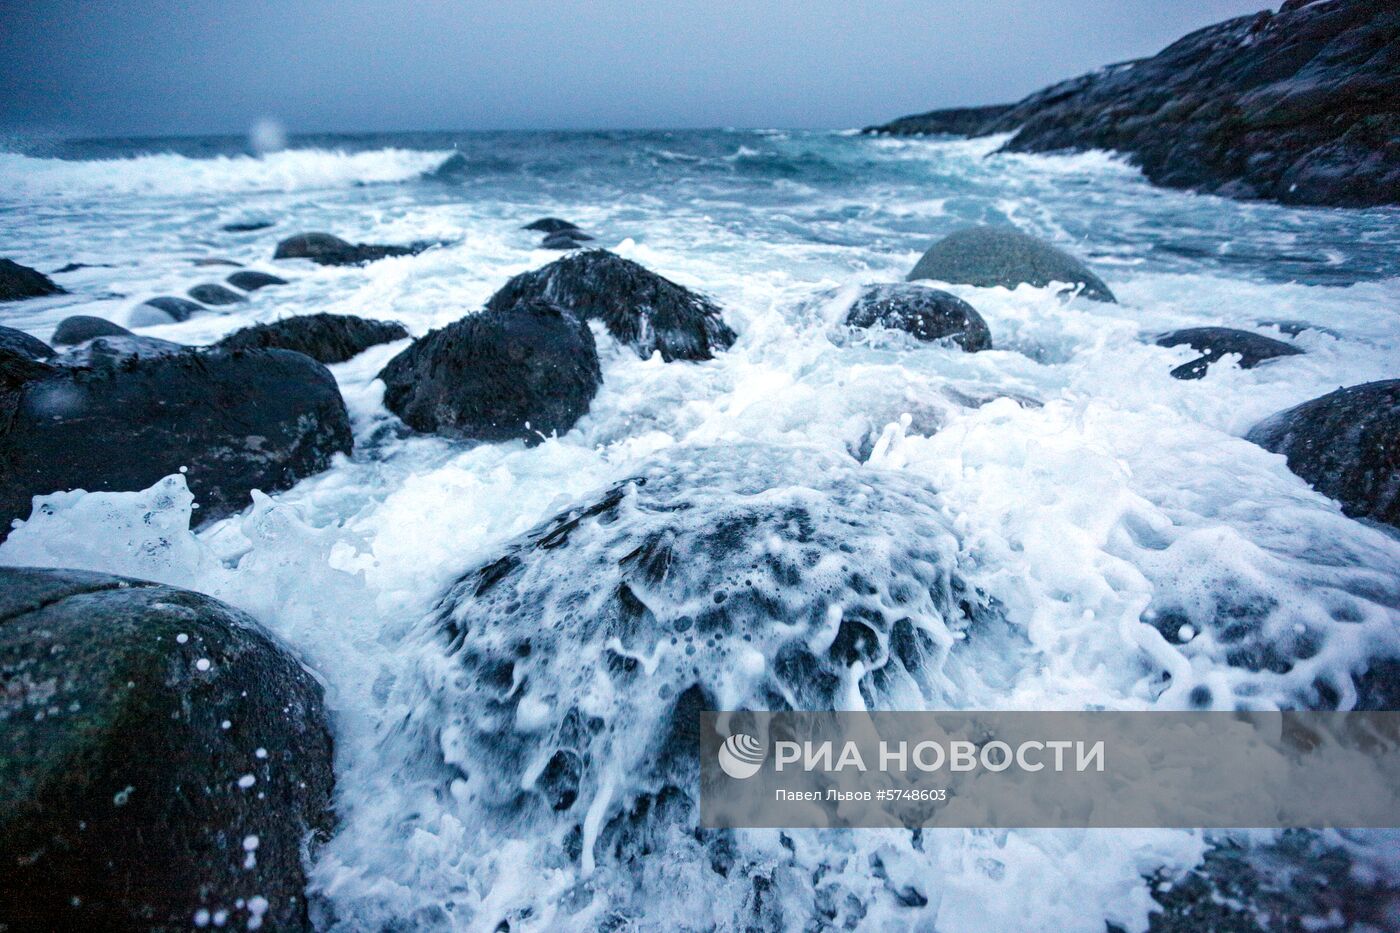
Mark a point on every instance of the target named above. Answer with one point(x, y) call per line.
point(251, 280)
point(1213, 343)
point(521, 373)
point(1003, 256)
point(329, 338)
point(212, 293)
point(164, 309)
point(1346, 444)
point(30, 347)
point(165, 760)
point(640, 308)
point(925, 313)
point(550, 225)
point(235, 420)
point(19, 282)
point(327, 250)
point(83, 327)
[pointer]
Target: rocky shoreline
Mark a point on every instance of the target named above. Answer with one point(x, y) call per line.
point(1299, 106)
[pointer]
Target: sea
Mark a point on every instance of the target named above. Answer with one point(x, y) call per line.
point(1117, 519)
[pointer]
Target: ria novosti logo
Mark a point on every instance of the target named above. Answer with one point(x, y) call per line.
point(742, 755)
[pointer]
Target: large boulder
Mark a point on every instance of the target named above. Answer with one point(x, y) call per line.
point(924, 313)
point(992, 256)
point(330, 338)
point(17, 341)
point(523, 372)
point(327, 250)
point(639, 307)
point(212, 293)
point(250, 280)
point(1215, 342)
point(236, 420)
point(1346, 444)
point(18, 282)
point(81, 328)
point(1297, 106)
point(165, 761)
point(164, 309)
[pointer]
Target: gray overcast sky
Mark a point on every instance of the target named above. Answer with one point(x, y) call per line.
point(128, 67)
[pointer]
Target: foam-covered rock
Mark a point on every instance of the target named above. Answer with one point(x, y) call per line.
point(1216, 342)
point(163, 309)
point(212, 293)
point(251, 281)
point(1346, 444)
point(19, 282)
point(236, 420)
point(327, 250)
point(1006, 257)
point(17, 341)
point(81, 328)
point(640, 308)
point(163, 756)
point(524, 372)
point(330, 338)
point(925, 313)
point(110, 351)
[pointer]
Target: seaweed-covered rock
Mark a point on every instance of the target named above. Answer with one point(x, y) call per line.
point(640, 308)
point(164, 309)
point(330, 338)
point(1346, 444)
point(992, 256)
point(550, 225)
point(212, 293)
point(251, 281)
point(17, 341)
point(165, 760)
point(327, 250)
point(83, 327)
point(237, 420)
point(1215, 342)
point(523, 372)
point(19, 282)
point(924, 313)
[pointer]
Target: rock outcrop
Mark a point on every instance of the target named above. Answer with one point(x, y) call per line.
point(17, 341)
point(329, 338)
point(327, 250)
point(19, 282)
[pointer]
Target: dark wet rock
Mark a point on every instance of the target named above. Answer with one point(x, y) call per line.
point(525, 372)
point(1297, 106)
point(83, 327)
point(954, 121)
point(991, 256)
point(163, 310)
point(211, 293)
point(17, 341)
point(216, 261)
point(550, 225)
point(75, 266)
point(252, 281)
point(327, 250)
point(1215, 342)
point(1346, 444)
point(562, 241)
point(924, 313)
point(237, 420)
point(18, 282)
point(330, 338)
point(248, 226)
point(1294, 328)
point(640, 308)
point(111, 351)
point(121, 806)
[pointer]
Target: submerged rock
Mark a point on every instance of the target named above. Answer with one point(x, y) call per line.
point(17, 341)
point(19, 282)
point(236, 420)
point(1215, 342)
point(83, 327)
point(75, 266)
point(247, 226)
point(563, 241)
point(214, 294)
point(923, 312)
point(1346, 444)
point(330, 338)
point(252, 281)
point(639, 307)
point(327, 250)
point(216, 261)
point(168, 306)
point(1006, 257)
point(524, 372)
point(163, 756)
point(550, 225)
point(1293, 328)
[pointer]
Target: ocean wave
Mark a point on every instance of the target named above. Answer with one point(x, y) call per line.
point(168, 175)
